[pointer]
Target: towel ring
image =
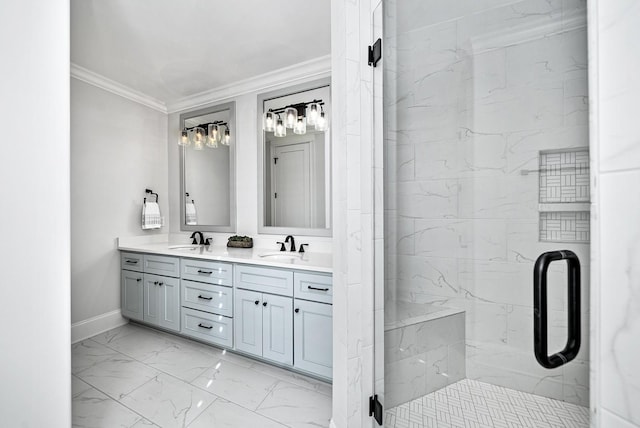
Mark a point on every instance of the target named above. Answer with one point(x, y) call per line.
point(151, 191)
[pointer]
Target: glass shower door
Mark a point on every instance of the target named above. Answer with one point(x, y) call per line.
point(486, 167)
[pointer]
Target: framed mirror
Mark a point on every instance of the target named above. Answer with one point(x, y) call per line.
point(207, 169)
point(294, 160)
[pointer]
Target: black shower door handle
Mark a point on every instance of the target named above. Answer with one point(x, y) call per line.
point(540, 335)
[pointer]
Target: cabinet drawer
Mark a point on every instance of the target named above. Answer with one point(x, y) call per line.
point(131, 261)
point(207, 327)
point(205, 271)
point(207, 297)
point(315, 287)
point(162, 265)
point(264, 280)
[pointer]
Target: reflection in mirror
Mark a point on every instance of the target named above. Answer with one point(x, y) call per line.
point(295, 193)
point(208, 163)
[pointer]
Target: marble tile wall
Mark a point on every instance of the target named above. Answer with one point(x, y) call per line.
point(614, 67)
point(470, 100)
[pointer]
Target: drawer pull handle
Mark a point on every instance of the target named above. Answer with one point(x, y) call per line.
point(208, 327)
point(205, 272)
point(257, 302)
point(316, 288)
point(138, 279)
point(204, 298)
point(131, 262)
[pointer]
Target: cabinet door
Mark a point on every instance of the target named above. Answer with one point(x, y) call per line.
point(248, 321)
point(169, 299)
point(277, 328)
point(132, 295)
point(313, 334)
point(152, 299)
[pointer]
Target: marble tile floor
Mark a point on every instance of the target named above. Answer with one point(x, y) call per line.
point(134, 376)
point(469, 403)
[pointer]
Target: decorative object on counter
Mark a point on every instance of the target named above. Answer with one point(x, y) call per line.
point(240, 242)
point(190, 214)
point(151, 218)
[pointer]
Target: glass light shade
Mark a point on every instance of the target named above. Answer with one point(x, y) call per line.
point(213, 136)
point(184, 138)
point(300, 127)
point(281, 130)
point(290, 115)
point(312, 115)
point(227, 137)
point(321, 123)
point(198, 136)
point(269, 122)
point(198, 144)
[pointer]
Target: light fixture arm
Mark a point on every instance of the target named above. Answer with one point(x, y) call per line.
point(300, 107)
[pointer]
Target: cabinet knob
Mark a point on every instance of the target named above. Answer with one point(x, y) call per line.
point(138, 279)
point(257, 302)
point(155, 282)
point(160, 284)
point(264, 304)
point(296, 310)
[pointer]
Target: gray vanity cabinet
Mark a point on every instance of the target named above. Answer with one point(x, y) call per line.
point(207, 301)
point(150, 290)
point(264, 325)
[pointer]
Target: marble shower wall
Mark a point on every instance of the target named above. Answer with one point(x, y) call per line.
point(473, 91)
point(614, 69)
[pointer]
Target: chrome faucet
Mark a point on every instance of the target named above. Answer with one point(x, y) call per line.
point(293, 242)
point(195, 241)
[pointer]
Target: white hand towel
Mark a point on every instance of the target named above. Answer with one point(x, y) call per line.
point(151, 218)
point(190, 215)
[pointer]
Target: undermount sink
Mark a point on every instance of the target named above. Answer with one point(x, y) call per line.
point(187, 247)
point(282, 257)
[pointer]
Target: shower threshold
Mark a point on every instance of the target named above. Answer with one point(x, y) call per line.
point(469, 403)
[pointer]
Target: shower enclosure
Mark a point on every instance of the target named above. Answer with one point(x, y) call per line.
point(483, 134)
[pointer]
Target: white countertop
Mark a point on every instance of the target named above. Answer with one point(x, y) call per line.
point(317, 262)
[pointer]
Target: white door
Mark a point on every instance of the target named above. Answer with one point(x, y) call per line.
point(313, 328)
point(152, 299)
point(277, 328)
point(169, 289)
point(132, 295)
point(248, 319)
point(291, 185)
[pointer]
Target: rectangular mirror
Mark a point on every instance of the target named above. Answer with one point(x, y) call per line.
point(207, 169)
point(294, 153)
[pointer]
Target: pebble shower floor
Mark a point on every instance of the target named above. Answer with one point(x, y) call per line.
point(470, 403)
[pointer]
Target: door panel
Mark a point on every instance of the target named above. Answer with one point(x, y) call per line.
point(313, 327)
point(169, 291)
point(248, 319)
point(277, 329)
point(132, 295)
point(152, 299)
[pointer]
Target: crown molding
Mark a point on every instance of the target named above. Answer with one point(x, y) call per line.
point(298, 73)
point(114, 87)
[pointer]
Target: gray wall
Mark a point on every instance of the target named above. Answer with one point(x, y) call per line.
point(35, 360)
point(118, 148)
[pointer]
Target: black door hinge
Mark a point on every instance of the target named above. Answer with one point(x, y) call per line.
point(375, 53)
point(375, 409)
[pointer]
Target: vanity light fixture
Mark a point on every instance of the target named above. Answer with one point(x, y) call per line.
point(209, 134)
point(297, 117)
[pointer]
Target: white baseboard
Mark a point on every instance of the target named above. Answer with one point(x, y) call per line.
point(332, 424)
point(90, 327)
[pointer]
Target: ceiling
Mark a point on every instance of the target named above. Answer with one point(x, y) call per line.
point(171, 49)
